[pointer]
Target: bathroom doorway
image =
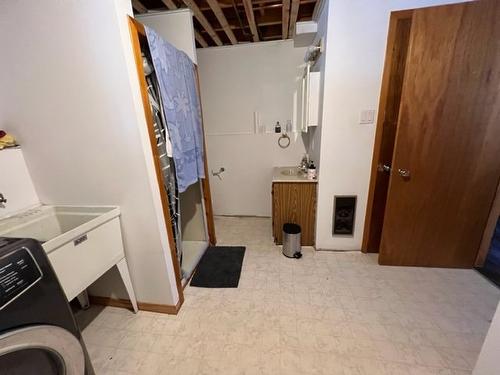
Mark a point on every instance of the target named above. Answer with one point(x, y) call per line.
point(491, 266)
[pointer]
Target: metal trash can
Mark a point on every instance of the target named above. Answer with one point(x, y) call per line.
point(291, 240)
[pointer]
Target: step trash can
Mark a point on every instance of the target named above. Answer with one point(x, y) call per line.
point(291, 241)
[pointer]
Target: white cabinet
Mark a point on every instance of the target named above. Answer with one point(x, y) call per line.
point(82, 261)
point(310, 92)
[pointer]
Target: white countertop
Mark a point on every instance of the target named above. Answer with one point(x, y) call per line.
point(279, 176)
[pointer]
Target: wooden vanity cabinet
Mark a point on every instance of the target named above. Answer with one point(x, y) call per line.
point(294, 202)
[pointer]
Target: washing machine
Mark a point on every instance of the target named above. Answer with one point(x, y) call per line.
point(38, 332)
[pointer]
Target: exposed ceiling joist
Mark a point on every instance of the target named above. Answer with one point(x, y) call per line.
point(280, 5)
point(137, 5)
point(294, 12)
point(200, 39)
point(257, 4)
point(251, 19)
point(234, 27)
point(263, 19)
point(203, 21)
point(285, 17)
point(317, 8)
point(214, 4)
point(169, 4)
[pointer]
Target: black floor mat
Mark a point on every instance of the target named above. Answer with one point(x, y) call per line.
point(220, 267)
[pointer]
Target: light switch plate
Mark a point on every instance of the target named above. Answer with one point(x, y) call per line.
point(367, 116)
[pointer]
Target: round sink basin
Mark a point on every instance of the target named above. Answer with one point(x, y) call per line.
point(290, 172)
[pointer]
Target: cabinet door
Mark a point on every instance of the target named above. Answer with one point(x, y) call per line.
point(313, 91)
point(294, 203)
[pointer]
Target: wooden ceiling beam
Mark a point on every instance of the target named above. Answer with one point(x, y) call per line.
point(251, 19)
point(214, 4)
point(271, 37)
point(294, 12)
point(257, 4)
point(169, 4)
point(234, 27)
point(200, 39)
point(137, 5)
point(285, 17)
point(317, 7)
point(203, 21)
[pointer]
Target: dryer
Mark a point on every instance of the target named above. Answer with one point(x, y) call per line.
point(38, 332)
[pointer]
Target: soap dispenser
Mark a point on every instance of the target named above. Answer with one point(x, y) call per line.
point(277, 128)
point(311, 171)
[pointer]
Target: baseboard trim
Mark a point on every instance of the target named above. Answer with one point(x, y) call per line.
point(125, 303)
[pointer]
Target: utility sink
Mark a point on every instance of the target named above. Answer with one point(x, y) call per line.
point(81, 242)
point(56, 225)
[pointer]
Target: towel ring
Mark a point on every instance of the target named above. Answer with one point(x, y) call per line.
point(286, 143)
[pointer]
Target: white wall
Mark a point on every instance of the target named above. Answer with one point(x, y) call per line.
point(175, 26)
point(15, 182)
point(70, 94)
point(356, 40)
point(235, 82)
point(487, 363)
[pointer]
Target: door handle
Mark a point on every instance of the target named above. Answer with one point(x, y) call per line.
point(405, 173)
point(384, 168)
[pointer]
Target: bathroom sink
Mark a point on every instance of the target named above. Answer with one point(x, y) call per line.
point(53, 225)
point(290, 172)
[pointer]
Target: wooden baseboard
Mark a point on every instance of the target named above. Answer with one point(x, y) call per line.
point(125, 303)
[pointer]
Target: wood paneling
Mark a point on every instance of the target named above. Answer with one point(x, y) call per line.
point(448, 138)
point(294, 203)
point(388, 111)
point(137, 33)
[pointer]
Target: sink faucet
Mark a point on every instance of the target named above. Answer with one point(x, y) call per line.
point(304, 164)
point(2, 199)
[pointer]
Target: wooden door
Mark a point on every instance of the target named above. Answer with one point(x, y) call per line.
point(448, 138)
point(388, 112)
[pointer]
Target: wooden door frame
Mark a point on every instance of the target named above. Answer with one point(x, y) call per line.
point(207, 193)
point(379, 131)
point(137, 32)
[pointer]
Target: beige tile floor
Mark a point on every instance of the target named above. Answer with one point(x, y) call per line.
point(327, 313)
